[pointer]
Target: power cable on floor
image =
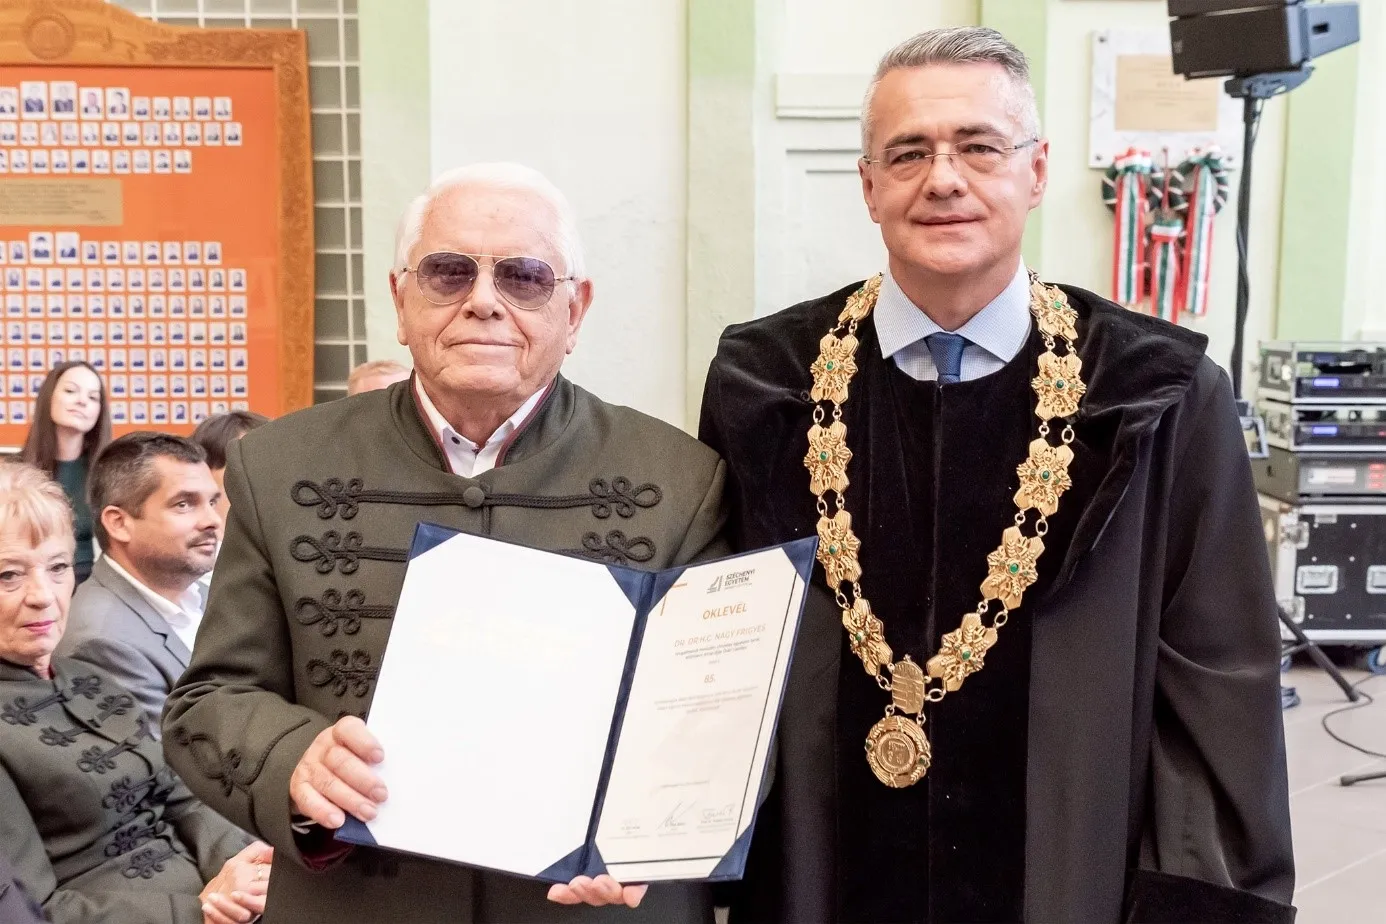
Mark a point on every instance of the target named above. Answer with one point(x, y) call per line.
point(1362, 704)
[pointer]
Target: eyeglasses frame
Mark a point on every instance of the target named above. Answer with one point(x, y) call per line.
point(1009, 152)
point(478, 257)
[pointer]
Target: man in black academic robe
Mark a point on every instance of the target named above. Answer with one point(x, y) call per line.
point(1121, 755)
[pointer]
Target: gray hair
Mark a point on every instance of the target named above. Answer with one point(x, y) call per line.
point(496, 176)
point(958, 45)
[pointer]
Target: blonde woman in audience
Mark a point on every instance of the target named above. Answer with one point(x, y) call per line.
point(96, 826)
point(71, 425)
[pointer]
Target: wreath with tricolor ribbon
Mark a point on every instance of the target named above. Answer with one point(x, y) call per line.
point(1204, 178)
point(1163, 233)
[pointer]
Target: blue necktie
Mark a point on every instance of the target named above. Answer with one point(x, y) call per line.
point(947, 351)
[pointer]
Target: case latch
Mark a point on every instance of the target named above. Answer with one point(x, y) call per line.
point(1316, 579)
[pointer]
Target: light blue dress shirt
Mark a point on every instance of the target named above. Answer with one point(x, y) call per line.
point(995, 334)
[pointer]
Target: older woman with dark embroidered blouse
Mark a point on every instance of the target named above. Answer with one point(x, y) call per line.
point(95, 824)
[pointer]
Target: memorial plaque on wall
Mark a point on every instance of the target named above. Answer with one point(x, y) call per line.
point(155, 214)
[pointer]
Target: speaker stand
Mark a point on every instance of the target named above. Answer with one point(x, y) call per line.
point(1254, 91)
point(1303, 643)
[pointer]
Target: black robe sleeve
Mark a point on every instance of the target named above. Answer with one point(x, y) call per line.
point(1215, 839)
point(710, 434)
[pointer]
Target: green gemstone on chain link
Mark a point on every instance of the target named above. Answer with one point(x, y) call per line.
point(964, 654)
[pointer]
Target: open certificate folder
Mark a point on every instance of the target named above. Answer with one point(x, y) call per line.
point(552, 717)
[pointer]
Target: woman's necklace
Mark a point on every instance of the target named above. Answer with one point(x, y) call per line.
point(896, 748)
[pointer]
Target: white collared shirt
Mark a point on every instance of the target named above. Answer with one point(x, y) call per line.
point(183, 617)
point(995, 334)
point(464, 457)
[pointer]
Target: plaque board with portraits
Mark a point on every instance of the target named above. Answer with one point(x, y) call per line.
point(156, 213)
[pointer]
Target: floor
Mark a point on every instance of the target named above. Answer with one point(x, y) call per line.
point(1339, 833)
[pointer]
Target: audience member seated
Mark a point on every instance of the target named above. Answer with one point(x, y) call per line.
point(157, 522)
point(218, 432)
point(95, 825)
point(376, 374)
point(71, 425)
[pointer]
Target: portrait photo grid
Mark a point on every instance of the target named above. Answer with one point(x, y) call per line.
point(163, 321)
point(64, 127)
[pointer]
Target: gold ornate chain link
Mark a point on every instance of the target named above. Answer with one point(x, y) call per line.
point(896, 747)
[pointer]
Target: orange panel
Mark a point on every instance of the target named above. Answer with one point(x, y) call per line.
point(178, 329)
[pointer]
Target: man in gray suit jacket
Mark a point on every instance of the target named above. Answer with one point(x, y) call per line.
point(154, 501)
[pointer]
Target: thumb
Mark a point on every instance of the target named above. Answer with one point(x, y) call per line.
point(632, 895)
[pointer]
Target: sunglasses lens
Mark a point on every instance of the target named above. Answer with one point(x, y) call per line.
point(527, 282)
point(446, 277)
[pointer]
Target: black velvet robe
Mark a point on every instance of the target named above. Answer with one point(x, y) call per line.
point(1121, 754)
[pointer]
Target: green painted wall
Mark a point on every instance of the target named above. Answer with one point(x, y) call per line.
point(1026, 22)
point(395, 146)
point(723, 73)
point(721, 179)
point(1319, 153)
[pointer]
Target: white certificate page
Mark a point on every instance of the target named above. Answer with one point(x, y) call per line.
point(700, 718)
point(495, 701)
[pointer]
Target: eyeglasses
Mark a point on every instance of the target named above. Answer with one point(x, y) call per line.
point(446, 278)
point(980, 156)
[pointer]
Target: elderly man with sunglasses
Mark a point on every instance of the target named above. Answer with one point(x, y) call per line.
point(1057, 696)
point(487, 437)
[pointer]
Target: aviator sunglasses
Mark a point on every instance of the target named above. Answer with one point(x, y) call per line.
point(446, 278)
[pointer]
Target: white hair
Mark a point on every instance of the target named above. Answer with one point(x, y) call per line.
point(495, 176)
point(959, 45)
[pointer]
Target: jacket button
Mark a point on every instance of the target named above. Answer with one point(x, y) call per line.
point(474, 496)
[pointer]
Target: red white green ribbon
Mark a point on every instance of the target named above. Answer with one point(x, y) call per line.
point(1165, 271)
point(1126, 189)
point(1206, 184)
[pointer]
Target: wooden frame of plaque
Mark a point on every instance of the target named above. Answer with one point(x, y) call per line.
point(266, 199)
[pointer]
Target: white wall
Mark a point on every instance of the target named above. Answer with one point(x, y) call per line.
point(594, 95)
point(819, 39)
point(1078, 227)
point(813, 233)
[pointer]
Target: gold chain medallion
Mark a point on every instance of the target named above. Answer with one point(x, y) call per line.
point(896, 748)
point(897, 751)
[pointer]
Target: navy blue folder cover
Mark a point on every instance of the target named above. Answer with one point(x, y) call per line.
point(643, 589)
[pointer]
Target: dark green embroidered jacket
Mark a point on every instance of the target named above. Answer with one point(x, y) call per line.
point(323, 505)
point(97, 826)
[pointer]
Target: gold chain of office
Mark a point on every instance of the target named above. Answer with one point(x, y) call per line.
point(896, 747)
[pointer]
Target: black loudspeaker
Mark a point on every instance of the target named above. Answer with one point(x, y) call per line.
point(1243, 38)
point(1198, 7)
